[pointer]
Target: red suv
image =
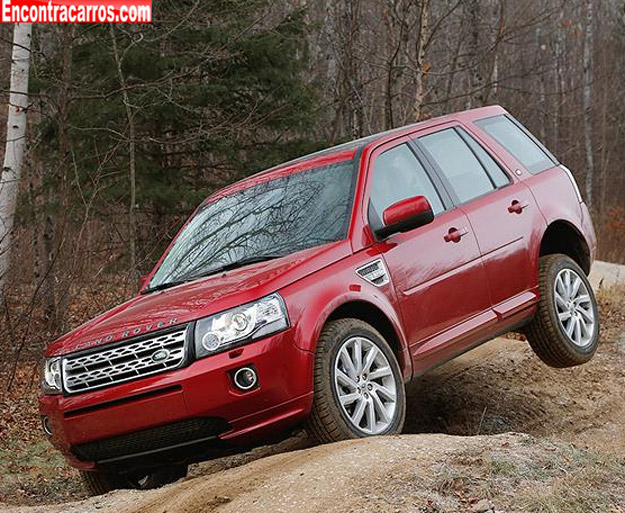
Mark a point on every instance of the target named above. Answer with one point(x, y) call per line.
point(313, 291)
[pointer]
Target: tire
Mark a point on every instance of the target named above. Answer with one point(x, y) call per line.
point(553, 340)
point(98, 483)
point(329, 421)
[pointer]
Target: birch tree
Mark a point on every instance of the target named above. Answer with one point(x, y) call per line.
point(15, 142)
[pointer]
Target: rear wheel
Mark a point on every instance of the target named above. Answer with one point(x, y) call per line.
point(98, 483)
point(565, 330)
point(359, 390)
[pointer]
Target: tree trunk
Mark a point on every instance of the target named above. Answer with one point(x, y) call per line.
point(352, 67)
point(132, 214)
point(559, 80)
point(15, 143)
point(56, 285)
point(476, 80)
point(424, 35)
point(540, 66)
point(587, 98)
point(393, 48)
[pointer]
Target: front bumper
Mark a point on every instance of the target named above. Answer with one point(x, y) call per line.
point(204, 389)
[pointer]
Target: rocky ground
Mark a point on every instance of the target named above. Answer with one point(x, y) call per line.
point(493, 430)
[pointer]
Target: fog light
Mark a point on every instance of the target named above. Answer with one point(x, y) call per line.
point(245, 378)
point(45, 421)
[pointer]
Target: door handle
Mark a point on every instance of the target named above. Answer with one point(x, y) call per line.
point(516, 207)
point(455, 235)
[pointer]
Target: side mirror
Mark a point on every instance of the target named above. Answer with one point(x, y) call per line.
point(406, 215)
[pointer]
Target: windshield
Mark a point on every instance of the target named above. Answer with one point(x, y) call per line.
point(274, 218)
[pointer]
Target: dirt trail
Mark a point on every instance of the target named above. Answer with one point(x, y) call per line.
point(499, 388)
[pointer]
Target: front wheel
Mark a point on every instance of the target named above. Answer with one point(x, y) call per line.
point(565, 330)
point(359, 390)
point(98, 483)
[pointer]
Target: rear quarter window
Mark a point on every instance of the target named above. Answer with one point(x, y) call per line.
point(518, 142)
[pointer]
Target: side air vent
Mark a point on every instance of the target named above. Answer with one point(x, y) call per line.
point(374, 272)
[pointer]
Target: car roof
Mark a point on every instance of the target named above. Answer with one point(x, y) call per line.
point(347, 151)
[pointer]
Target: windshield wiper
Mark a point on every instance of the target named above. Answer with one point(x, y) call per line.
point(243, 262)
point(162, 286)
point(227, 267)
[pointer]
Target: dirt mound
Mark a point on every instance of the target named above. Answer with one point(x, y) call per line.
point(420, 473)
point(503, 387)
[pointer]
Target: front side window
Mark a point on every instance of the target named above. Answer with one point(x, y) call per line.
point(275, 218)
point(457, 162)
point(398, 175)
point(517, 143)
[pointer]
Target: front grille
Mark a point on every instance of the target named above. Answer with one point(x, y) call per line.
point(133, 360)
point(153, 439)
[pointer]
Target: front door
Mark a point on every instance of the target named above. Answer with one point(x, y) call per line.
point(436, 269)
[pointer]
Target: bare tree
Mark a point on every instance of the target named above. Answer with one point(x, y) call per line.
point(351, 76)
point(132, 166)
point(54, 242)
point(15, 142)
point(476, 79)
point(424, 35)
point(587, 60)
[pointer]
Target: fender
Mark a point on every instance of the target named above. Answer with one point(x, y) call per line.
point(558, 201)
point(309, 313)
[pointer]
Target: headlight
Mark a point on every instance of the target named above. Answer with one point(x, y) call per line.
point(51, 376)
point(238, 325)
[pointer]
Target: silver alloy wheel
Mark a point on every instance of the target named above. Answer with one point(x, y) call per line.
point(365, 385)
point(574, 307)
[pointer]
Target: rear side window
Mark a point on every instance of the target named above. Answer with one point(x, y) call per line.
point(398, 175)
point(499, 177)
point(457, 162)
point(517, 142)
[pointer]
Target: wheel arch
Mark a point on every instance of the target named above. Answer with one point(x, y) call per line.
point(313, 302)
point(377, 318)
point(564, 237)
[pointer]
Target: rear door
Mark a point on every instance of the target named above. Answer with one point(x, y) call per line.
point(552, 185)
point(501, 210)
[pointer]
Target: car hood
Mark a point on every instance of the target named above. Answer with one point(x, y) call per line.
point(179, 305)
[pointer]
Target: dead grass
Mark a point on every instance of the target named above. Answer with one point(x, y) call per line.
point(543, 478)
point(35, 474)
point(31, 471)
point(582, 482)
